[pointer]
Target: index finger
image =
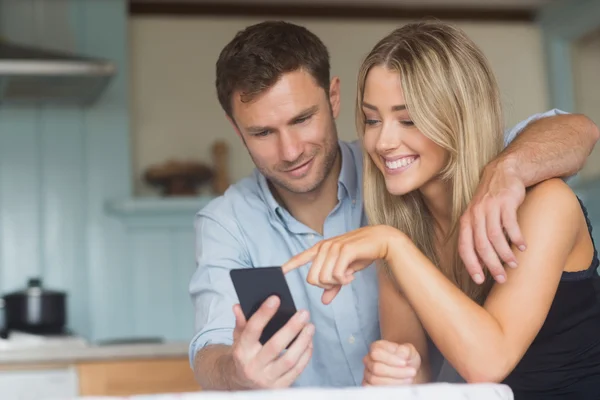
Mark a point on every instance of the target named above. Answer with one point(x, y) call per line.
point(300, 259)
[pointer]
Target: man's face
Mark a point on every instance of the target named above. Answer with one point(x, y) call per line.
point(289, 131)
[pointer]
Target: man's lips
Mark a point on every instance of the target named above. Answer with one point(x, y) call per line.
point(300, 169)
point(299, 166)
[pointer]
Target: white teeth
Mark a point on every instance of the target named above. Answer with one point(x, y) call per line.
point(403, 162)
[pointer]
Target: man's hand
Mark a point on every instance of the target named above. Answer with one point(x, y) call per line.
point(390, 363)
point(490, 218)
point(265, 367)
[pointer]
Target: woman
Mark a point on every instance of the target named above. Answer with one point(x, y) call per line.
point(429, 117)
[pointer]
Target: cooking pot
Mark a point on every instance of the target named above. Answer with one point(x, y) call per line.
point(35, 310)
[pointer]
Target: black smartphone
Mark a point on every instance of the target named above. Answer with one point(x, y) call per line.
point(254, 286)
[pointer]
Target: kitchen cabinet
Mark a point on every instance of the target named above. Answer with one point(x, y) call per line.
point(38, 382)
point(66, 372)
point(131, 377)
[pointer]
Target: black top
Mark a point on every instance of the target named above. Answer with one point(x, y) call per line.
point(563, 362)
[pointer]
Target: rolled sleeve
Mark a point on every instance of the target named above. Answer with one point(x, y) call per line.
point(511, 134)
point(219, 249)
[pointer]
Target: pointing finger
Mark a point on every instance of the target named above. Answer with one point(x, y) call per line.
point(300, 259)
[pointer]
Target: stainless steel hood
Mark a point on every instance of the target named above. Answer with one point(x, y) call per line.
point(31, 75)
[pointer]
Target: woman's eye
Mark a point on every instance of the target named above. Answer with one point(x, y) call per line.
point(371, 121)
point(407, 123)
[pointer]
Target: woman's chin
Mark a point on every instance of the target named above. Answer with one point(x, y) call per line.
point(398, 190)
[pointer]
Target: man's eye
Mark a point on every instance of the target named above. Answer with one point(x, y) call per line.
point(301, 120)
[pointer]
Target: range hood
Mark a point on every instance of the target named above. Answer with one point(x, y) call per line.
point(31, 75)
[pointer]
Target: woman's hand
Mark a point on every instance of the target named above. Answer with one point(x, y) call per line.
point(335, 260)
point(390, 363)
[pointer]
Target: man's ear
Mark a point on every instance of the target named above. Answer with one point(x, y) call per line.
point(334, 96)
point(235, 127)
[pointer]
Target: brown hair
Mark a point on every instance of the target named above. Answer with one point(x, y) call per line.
point(259, 55)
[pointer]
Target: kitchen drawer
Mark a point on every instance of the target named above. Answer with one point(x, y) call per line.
point(132, 377)
point(38, 383)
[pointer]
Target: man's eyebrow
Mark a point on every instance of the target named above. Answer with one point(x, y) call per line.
point(302, 114)
point(257, 129)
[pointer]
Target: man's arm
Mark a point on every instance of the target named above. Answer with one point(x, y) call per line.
point(213, 296)
point(226, 353)
point(214, 368)
point(553, 146)
point(549, 145)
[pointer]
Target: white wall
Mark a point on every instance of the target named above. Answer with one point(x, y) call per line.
point(174, 104)
point(586, 70)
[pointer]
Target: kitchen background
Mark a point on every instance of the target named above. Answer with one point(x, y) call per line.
point(75, 209)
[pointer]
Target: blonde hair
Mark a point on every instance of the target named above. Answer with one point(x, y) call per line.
point(453, 99)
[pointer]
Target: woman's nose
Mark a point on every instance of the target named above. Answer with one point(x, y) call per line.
point(390, 138)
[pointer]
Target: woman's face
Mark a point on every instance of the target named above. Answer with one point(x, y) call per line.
point(407, 159)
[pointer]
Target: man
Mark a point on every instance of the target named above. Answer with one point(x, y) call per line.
point(274, 85)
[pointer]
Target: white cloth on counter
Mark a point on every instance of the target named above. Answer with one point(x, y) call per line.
point(432, 391)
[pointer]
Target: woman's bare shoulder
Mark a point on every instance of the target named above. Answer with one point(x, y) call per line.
point(550, 203)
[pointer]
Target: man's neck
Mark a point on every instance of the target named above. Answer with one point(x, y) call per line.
point(312, 208)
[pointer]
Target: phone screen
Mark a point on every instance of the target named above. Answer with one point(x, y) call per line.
point(254, 285)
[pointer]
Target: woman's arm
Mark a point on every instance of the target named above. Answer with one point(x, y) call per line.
point(399, 323)
point(485, 343)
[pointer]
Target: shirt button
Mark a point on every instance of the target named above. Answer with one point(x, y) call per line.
point(353, 201)
point(351, 339)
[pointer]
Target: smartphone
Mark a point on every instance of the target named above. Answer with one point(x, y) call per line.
point(254, 285)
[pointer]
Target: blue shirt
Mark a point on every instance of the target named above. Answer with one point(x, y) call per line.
point(247, 228)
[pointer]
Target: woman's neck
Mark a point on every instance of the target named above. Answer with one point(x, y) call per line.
point(437, 195)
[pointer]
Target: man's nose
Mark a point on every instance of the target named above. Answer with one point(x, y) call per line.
point(290, 146)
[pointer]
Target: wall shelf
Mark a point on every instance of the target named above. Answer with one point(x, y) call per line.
point(158, 212)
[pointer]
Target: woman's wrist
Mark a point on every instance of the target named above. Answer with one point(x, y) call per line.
point(396, 243)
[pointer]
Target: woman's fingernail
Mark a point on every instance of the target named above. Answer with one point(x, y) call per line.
point(522, 247)
point(478, 278)
point(411, 372)
point(500, 278)
point(512, 264)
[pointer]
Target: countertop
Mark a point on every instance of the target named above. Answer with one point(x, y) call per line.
point(432, 391)
point(67, 354)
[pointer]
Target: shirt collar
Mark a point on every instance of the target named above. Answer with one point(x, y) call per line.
point(348, 179)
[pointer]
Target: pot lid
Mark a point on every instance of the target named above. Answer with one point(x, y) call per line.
point(34, 288)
